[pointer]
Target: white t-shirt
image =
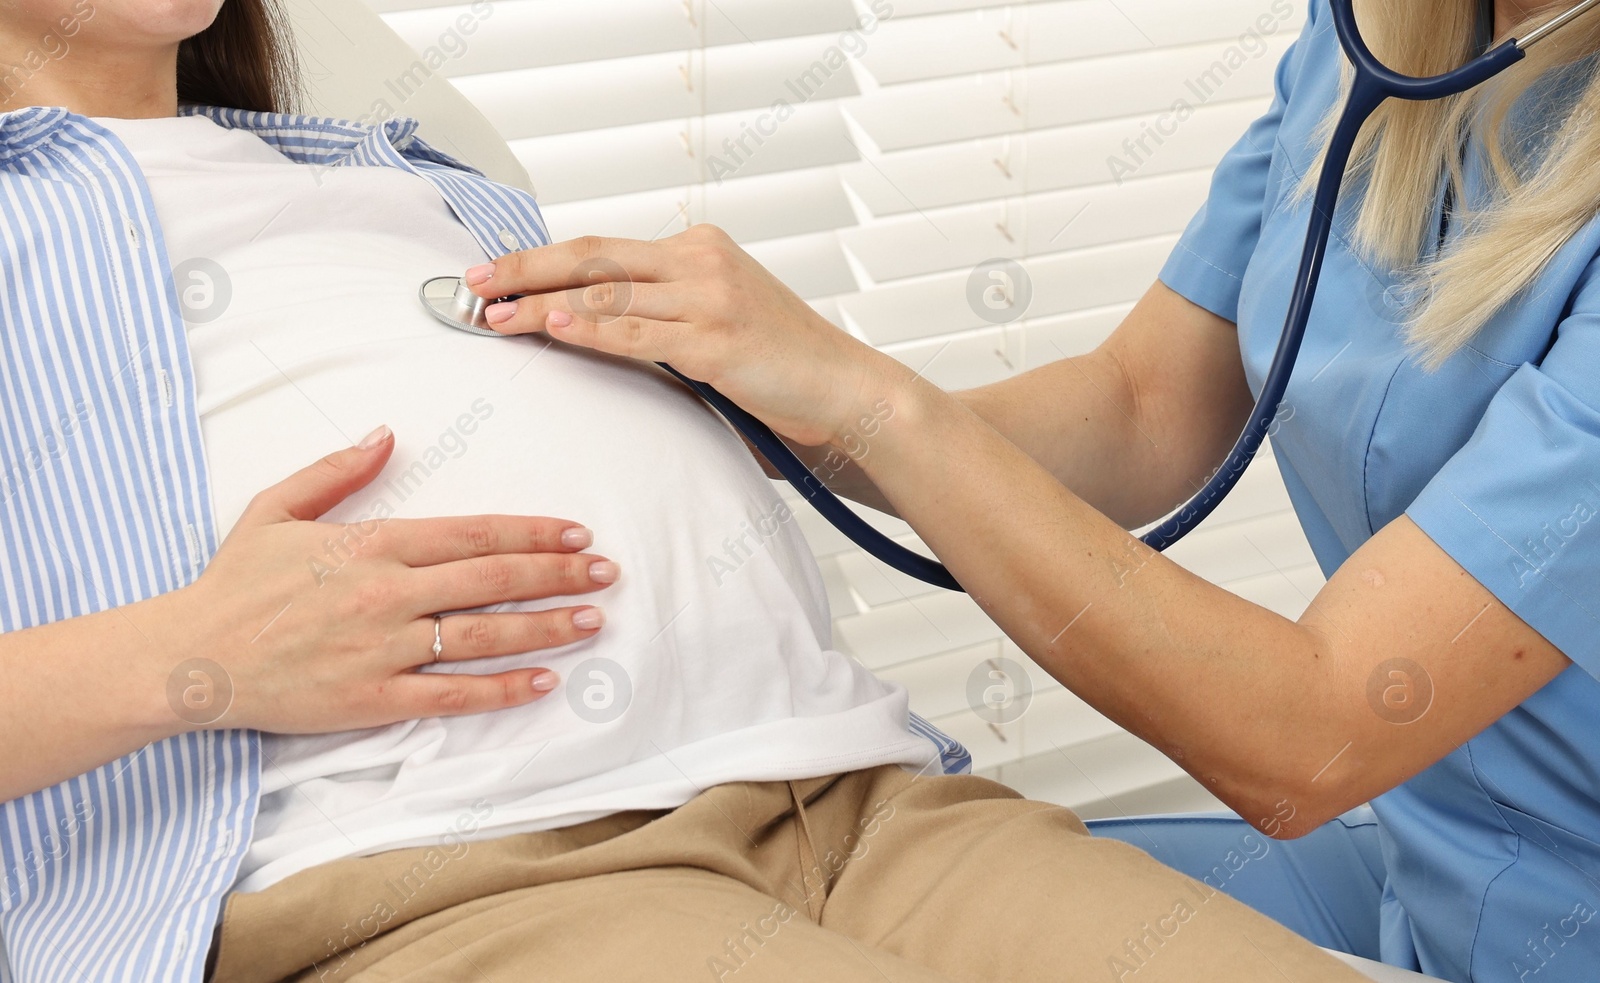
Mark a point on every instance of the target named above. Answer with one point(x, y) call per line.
point(718, 634)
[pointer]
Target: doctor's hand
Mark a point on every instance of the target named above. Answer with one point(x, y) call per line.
point(315, 627)
point(701, 304)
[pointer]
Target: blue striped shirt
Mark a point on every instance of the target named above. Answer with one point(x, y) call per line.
point(119, 874)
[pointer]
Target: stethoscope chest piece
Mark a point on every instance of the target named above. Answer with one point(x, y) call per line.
point(450, 300)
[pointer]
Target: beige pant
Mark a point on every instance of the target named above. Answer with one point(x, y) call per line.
point(871, 876)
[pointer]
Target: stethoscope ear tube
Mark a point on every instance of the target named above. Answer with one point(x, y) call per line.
point(1374, 83)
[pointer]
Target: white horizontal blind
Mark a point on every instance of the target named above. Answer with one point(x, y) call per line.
point(873, 153)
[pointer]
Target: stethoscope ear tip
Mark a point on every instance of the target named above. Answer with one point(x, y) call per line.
point(454, 304)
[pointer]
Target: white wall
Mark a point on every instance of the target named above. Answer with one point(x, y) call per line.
point(951, 133)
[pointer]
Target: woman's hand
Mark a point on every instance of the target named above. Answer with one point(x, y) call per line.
point(701, 304)
point(317, 627)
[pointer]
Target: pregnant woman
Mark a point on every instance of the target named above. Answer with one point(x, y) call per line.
point(324, 749)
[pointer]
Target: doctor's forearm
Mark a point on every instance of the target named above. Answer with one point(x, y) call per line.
point(1222, 686)
point(1093, 442)
point(1086, 436)
point(1138, 425)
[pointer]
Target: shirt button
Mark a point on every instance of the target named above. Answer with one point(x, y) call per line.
point(508, 239)
point(192, 539)
point(133, 232)
point(97, 156)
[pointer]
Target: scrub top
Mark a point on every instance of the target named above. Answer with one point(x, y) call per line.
point(1493, 854)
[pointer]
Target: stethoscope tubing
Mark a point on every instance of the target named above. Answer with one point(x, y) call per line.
point(817, 495)
point(1373, 84)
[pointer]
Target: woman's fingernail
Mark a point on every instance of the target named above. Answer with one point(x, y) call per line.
point(603, 572)
point(558, 319)
point(375, 438)
point(501, 312)
point(545, 681)
point(478, 274)
point(577, 538)
point(588, 619)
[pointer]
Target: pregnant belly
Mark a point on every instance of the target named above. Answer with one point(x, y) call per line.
point(718, 623)
point(714, 664)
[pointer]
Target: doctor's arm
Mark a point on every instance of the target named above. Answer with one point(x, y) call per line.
point(1287, 721)
point(1080, 417)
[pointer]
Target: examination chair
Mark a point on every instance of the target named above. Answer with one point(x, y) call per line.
point(349, 56)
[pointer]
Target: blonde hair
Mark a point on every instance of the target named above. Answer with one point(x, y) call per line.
point(1541, 195)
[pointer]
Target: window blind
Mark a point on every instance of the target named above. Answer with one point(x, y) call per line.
point(876, 154)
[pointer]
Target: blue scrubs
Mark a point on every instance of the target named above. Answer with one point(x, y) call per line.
point(1492, 856)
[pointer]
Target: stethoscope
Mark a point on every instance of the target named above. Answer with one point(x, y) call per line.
point(453, 303)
